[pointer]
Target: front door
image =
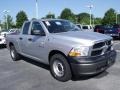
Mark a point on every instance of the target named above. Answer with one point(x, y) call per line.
point(23, 38)
point(36, 43)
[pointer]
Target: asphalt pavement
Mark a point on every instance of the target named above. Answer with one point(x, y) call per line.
point(28, 74)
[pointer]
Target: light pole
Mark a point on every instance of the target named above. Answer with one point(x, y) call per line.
point(93, 21)
point(37, 9)
point(90, 10)
point(6, 14)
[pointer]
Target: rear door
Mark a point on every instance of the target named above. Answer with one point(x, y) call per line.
point(23, 38)
point(36, 43)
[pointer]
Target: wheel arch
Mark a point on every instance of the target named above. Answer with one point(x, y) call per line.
point(10, 44)
point(55, 52)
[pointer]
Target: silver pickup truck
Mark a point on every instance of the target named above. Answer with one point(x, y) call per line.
point(64, 47)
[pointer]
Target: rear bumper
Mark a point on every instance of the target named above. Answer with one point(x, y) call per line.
point(92, 65)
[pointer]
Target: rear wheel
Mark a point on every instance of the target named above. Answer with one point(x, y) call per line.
point(60, 68)
point(14, 55)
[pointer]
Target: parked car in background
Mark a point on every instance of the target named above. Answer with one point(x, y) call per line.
point(113, 31)
point(99, 29)
point(87, 27)
point(2, 40)
point(79, 25)
point(4, 32)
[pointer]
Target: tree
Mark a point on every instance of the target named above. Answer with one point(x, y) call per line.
point(43, 18)
point(68, 15)
point(58, 17)
point(118, 18)
point(8, 21)
point(0, 25)
point(20, 18)
point(83, 18)
point(50, 15)
point(109, 17)
point(97, 21)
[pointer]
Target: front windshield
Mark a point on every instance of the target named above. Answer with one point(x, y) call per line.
point(57, 26)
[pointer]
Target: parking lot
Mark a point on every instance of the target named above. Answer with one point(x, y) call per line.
point(30, 75)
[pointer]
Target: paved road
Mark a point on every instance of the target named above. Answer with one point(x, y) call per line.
point(30, 75)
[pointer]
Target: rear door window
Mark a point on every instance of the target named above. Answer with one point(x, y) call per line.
point(26, 28)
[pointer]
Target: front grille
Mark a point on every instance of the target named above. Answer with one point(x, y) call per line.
point(101, 48)
point(108, 49)
point(108, 42)
point(98, 45)
point(94, 53)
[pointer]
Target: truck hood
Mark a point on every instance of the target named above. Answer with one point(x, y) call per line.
point(86, 38)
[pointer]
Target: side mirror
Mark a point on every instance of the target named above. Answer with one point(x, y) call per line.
point(38, 32)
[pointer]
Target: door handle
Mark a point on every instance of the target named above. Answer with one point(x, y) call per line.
point(29, 39)
point(20, 38)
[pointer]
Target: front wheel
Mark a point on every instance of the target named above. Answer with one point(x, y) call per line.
point(14, 55)
point(60, 68)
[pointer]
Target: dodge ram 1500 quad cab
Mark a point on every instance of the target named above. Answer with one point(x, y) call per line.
point(64, 47)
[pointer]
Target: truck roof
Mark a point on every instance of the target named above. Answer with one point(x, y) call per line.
point(46, 19)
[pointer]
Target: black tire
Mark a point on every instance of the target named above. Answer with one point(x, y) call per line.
point(62, 64)
point(14, 55)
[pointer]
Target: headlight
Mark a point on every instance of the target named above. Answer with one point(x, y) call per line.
point(79, 51)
